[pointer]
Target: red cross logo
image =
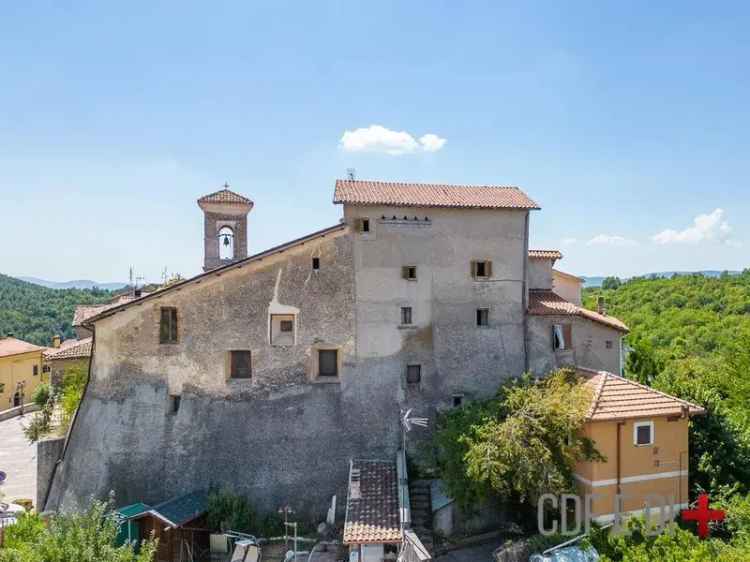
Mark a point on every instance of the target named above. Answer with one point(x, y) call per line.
point(703, 515)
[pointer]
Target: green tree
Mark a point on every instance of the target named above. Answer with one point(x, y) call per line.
point(520, 445)
point(80, 537)
point(611, 283)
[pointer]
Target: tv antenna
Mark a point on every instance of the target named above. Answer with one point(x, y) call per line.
point(351, 173)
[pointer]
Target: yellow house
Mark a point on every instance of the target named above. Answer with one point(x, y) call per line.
point(20, 371)
point(643, 433)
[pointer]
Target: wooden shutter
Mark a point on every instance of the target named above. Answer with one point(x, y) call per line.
point(488, 269)
point(168, 325)
point(568, 335)
point(474, 269)
point(240, 364)
point(405, 272)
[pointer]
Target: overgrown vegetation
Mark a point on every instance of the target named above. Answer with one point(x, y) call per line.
point(518, 445)
point(63, 400)
point(228, 511)
point(84, 537)
point(34, 313)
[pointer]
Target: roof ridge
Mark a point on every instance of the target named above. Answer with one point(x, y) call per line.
point(652, 389)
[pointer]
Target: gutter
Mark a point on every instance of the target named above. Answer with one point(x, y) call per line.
point(72, 423)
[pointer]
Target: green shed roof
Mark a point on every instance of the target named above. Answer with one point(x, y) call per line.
point(183, 509)
point(132, 510)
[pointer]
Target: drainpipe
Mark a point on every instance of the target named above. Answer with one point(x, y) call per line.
point(524, 295)
point(72, 422)
point(619, 468)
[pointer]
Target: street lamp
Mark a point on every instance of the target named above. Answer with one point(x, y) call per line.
point(286, 511)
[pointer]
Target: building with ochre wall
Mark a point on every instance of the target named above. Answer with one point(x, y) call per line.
point(20, 371)
point(269, 372)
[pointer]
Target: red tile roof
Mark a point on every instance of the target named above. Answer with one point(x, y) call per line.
point(372, 514)
point(545, 254)
point(544, 302)
point(12, 346)
point(85, 311)
point(70, 349)
point(618, 398)
point(225, 196)
point(364, 192)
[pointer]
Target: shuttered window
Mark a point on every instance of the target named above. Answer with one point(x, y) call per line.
point(409, 272)
point(481, 269)
point(328, 363)
point(240, 364)
point(168, 325)
point(413, 374)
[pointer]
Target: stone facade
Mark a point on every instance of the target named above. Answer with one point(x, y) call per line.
point(160, 419)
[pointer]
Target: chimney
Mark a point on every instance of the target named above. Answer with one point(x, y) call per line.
point(56, 341)
point(601, 307)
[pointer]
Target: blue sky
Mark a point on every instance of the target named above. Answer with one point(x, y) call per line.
point(625, 121)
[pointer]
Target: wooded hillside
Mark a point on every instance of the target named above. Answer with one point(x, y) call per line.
point(34, 313)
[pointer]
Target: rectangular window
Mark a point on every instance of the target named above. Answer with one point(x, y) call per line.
point(483, 316)
point(282, 329)
point(365, 225)
point(608, 344)
point(240, 364)
point(286, 326)
point(409, 272)
point(643, 433)
point(562, 337)
point(328, 363)
point(458, 400)
point(316, 264)
point(406, 315)
point(481, 269)
point(413, 374)
point(168, 325)
point(2, 387)
point(174, 405)
point(35, 370)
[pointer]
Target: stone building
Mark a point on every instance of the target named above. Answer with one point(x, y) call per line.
point(269, 372)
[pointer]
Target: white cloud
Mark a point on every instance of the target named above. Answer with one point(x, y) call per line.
point(568, 241)
point(711, 226)
point(611, 240)
point(377, 138)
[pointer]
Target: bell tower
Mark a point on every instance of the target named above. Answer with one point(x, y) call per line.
point(224, 227)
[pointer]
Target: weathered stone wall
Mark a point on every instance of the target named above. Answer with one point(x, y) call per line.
point(279, 437)
point(540, 274)
point(48, 452)
point(589, 345)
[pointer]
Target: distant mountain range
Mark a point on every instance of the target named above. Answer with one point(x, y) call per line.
point(77, 284)
point(597, 280)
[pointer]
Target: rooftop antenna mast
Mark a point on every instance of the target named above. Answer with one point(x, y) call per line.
point(351, 173)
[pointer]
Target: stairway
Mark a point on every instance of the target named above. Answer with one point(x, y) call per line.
point(421, 512)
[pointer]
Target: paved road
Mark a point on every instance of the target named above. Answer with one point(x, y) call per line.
point(17, 460)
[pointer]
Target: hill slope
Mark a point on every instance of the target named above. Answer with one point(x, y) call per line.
point(75, 284)
point(34, 313)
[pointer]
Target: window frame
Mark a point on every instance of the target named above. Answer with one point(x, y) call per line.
point(172, 335)
point(231, 364)
point(486, 266)
point(407, 312)
point(563, 332)
point(457, 400)
point(35, 370)
point(406, 272)
point(319, 353)
point(483, 311)
point(637, 426)
point(410, 366)
point(175, 401)
point(316, 263)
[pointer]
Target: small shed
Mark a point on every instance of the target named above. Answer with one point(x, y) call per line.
point(178, 523)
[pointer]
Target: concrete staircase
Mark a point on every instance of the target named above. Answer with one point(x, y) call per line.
point(421, 512)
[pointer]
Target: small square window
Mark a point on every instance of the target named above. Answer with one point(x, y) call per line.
point(643, 433)
point(413, 374)
point(406, 315)
point(316, 264)
point(608, 344)
point(365, 225)
point(240, 364)
point(282, 329)
point(36, 370)
point(409, 272)
point(458, 400)
point(286, 326)
point(483, 316)
point(46, 369)
point(328, 363)
point(481, 269)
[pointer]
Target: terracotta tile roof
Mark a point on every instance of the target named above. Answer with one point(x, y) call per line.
point(618, 398)
point(70, 349)
point(85, 311)
point(225, 196)
point(12, 346)
point(544, 302)
point(372, 514)
point(363, 192)
point(545, 254)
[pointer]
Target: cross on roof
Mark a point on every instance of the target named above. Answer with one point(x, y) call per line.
point(226, 185)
